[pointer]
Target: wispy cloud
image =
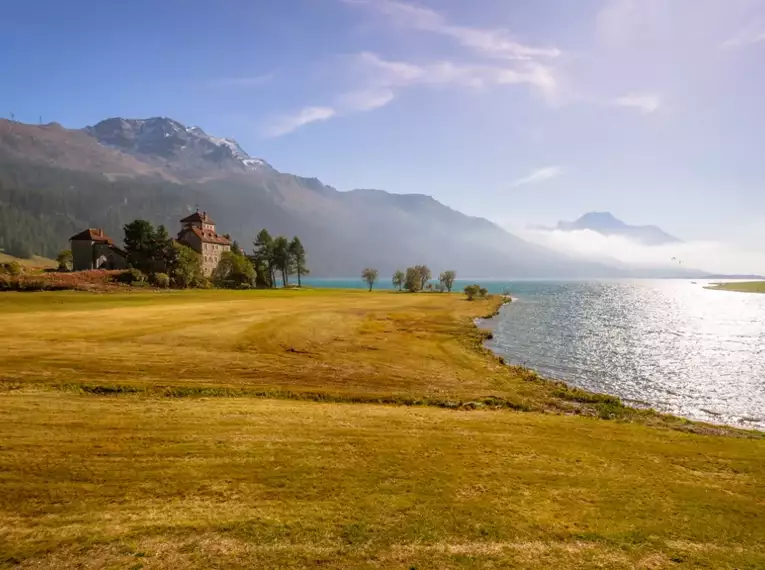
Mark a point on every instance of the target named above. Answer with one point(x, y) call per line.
point(494, 58)
point(380, 80)
point(744, 38)
point(491, 42)
point(400, 74)
point(644, 103)
point(252, 81)
point(539, 175)
point(365, 100)
point(305, 116)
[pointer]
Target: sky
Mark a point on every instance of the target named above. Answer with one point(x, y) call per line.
point(522, 112)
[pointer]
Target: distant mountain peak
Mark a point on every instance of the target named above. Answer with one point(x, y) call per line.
point(174, 144)
point(607, 224)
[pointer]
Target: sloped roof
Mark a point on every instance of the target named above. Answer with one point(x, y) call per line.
point(206, 236)
point(197, 217)
point(92, 234)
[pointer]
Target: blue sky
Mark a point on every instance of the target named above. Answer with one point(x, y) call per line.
point(522, 112)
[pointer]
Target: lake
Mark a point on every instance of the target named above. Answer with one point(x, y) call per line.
point(667, 344)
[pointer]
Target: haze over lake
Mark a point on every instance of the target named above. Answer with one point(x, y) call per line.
point(667, 344)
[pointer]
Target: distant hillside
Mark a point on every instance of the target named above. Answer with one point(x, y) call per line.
point(55, 182)
point(607, 224)
point(33, 262)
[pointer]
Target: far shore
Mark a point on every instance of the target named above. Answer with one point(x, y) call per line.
point(742, 287)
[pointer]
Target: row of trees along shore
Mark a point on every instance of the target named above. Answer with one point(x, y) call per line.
point(154, 257)
point(414, 279)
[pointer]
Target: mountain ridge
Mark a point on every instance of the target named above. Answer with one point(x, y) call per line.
point(55, 181)
point(605, 223)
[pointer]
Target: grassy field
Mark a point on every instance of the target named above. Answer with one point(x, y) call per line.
point(34, 262)
point(215, 429)
point(748, 287)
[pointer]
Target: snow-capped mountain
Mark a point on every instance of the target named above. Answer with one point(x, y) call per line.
point(173, 144)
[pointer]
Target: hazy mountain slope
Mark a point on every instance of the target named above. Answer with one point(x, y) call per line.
point(56, 146)
point(58, 186)
point(607, 224)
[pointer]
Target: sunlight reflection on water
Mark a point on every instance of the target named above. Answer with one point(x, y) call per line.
point(671, 345)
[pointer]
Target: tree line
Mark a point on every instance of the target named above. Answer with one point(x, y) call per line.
point(414, 279)
point(152, 252)
point(278, 256)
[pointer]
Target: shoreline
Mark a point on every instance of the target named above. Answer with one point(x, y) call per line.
point(639, 406)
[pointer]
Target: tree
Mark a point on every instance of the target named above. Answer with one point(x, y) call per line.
point(64, 259)
point(298, 258)
point(149, 250)
point(186, 271)
point(235, 247)
point(20, 249)
point(263, 255)
point(398, 279)
point(413, 279)
point(140, 244)
point(447, 279)
point(370, 276)
point(282, 258)
point(425, 275)
point(234, 271)
point(475, 291)
point(162, 254)
point(472, 291)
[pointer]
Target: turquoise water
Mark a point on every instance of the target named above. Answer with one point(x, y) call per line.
point(358, 283)
point(667, 344)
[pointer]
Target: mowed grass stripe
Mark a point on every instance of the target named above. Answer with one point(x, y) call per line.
point(384, 344)
point(134, 482)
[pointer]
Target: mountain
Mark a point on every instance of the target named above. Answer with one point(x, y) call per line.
point(55, 181)
point(607, 224)
point(169, 144)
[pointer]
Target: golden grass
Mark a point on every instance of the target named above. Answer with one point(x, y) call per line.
point(134, 479)
point(34, 262)
point(341, 344)
point(135, 482)
point(743, 287)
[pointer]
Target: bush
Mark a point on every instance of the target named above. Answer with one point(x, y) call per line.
point(476, 292)
point(64, 259)
point(472, 291)
point(13, 268)
point(131, 277)
point(95, 280)
point(160, 280)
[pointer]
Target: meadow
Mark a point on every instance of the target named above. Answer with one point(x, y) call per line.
point(338, 429)
point(742, 287)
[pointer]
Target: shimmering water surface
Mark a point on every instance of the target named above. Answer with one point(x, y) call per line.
point(668, 344)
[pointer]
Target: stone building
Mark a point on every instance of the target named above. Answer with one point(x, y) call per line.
point(198, 233)
point(93, 249)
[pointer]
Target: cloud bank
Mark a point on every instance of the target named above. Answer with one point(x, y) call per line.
point(714, 257)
